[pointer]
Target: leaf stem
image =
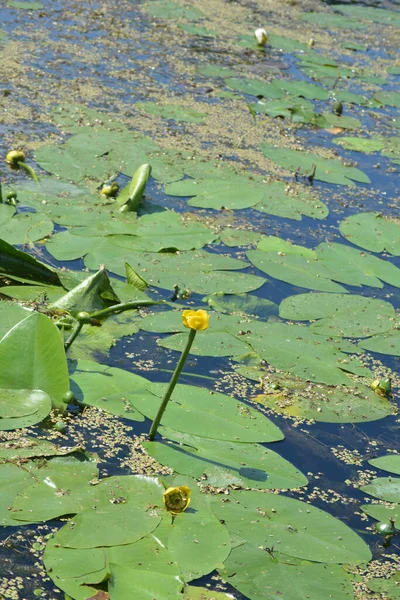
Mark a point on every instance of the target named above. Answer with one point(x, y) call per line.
point(119, 308)
point(29, 170)
point(172, 384)
point(74, 335)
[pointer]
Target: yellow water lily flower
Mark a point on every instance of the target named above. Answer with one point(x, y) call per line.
point(177, 499)
point(196, 319)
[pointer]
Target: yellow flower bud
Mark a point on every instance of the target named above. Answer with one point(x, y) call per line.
point(14, 157)
point(177, 499)
point(195, 319)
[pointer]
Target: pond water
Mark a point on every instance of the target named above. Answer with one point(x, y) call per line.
point(284, 158)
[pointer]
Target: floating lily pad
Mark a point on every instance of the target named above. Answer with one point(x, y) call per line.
point(224, 464)
point(258, 574)
point(242, 304)
point(198, 271)
point(356, 144)
point(26, 227)
point(388, 588)
point(309, 91)
point(340, 314)
point(372, 231)
point(298, 528)
point(197, 30)
point(72, 568)
point(64, 488)
point(107, 388)
point(333, 21)
point(295, 349)
point(175, 112)
point(384, 488)
point(126, 582)
point(383, 512)
point(386, 343)
point(119, 514)
point(254, 87)
point(219, 343)
point(322, 403)
point(201, 412)
point(238, 237)
point(13, 479)
point(166, 9)
point(330, 170)
point(30, 447)
point(319, 271)
point(22, 408)
point(24, 5)
point(390, 462)
point(388, 98)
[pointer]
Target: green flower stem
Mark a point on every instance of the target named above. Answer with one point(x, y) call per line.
point(29, 170)
point(1, 195)
point(74, 334)
point(172, 384)
point(119, 308)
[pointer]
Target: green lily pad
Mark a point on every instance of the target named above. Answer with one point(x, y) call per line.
point(254, 87)
point(390, 462)
point(388, 98)
point(22, 408)
point(386, 343)
point(199, 271)
point(30, 447)
point(328, 120)
point(216, 71)
point(340, 314)
point(197, 30)
point(333, 21)
point(238, 237)
point(295, 269)
point(72, 568)
point(218, 343)
point(127, 582)
point(32, 357)
point(64, 488)
point(201, 412)
point(309, 91)
point(320, 270)
point(330, 170)
point(372, 231)
point(222, 464)
point(107, 388)
point(175, 112)
point(242, 304)
point(13, 479)
point(322, 403)
point(196, 539)
point(258, 574)
point(24, 5)
point(383, 512)
point(295, 349)
point(297, 528)
point(119, 514)
point(25, 228)
point(384, 488)
point(389, 588)
point(356, 144)
point(166, 9)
